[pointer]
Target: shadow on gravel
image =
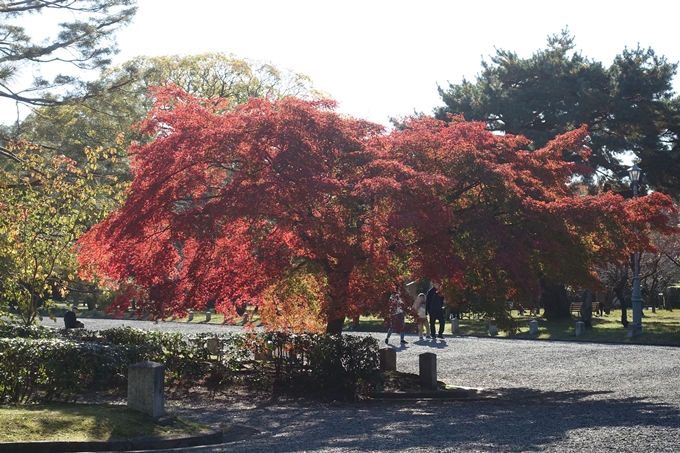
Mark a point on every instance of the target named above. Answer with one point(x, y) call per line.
point(518, 420)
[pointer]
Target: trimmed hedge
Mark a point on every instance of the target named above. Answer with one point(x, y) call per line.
point(673, 296)
point(38, 363)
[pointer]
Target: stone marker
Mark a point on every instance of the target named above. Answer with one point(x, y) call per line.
point(191, 316)
point(145, 388)
point(533, 327)
point(208, 314)
point(214, 347)
point(580, 328)
point(632, 330)
point(388, 359)
point(263, 356)
point(455, 326)
point(493, 328)
point(428, 370)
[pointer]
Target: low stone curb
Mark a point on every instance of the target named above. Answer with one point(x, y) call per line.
point(452, 394)
point(211, 437)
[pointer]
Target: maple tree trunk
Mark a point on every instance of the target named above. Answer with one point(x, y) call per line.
point(335, 325)
point(555, 302)
point(624, 313)
point(618, 290)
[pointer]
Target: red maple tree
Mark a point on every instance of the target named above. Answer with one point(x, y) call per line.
point(496, 221)
point(226, 205)
point(294, 208)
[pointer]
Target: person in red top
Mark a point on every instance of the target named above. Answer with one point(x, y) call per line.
point(397, 321)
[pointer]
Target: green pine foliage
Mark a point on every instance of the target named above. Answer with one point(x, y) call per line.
point(628, 106)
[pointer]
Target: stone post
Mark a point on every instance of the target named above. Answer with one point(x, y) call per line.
point(191, 316)
point(208, 315)
point(428, 370)
point(214, 346)
point(632, 330)
point(533, 327)
point(455, 326)
point(145, 388)
point(580, 328)
point(493, 328)
point(388, 359)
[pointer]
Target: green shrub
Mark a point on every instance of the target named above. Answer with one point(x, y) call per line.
point(673, 296)
point(48, 364)
point(8, 330)
point(55, 369)
point(339, 364)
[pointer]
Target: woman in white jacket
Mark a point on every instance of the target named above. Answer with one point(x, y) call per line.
point(421, 315)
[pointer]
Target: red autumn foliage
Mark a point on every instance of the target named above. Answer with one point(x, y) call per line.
point(293, 207)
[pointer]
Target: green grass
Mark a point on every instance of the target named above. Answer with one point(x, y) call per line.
point(84, 422)
point(662, 327)
point(198, 318)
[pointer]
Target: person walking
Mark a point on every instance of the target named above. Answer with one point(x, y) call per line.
point(421, 315)
point(397, 318)
point(434, 306)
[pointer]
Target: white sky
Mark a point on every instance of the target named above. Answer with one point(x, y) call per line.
point(385, 58)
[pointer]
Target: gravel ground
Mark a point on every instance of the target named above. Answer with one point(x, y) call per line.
point(552, 397)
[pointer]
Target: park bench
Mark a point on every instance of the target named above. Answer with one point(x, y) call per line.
point(575, 308)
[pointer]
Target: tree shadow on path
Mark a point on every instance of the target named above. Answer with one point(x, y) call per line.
point(519, 420)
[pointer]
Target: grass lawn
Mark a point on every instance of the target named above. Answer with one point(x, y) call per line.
point(84, 422)
point(199, 316)
point(662, 327)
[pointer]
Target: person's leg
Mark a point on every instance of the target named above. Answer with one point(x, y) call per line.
point(441, 325)
point(389, 332)
point(432, 319)
point(402, 328)
point(427, 326)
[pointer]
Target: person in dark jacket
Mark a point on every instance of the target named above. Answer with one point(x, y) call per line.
point(434, 305)
point(70, 321)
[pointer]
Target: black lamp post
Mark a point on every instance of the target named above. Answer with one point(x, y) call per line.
point(634, 173)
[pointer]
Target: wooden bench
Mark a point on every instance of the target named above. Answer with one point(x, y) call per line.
point(575, 308)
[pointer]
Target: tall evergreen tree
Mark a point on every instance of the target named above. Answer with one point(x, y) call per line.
point(628, 107)
point(85, 40)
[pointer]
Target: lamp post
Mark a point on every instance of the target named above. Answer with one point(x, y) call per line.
point(634, 173)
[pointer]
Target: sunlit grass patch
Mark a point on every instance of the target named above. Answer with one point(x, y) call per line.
point(81, 422)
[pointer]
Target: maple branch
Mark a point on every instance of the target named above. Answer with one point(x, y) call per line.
point(10, 155)
point(673, 260)
point(4, 152)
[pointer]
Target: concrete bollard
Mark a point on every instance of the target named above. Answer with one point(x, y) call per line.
point(580, 328)
point(388, 359)
point(455, 326)
point(493, 328)
point(191, 316)
point(428, 370)
point(632, 330)
point(208, 315)
point(145, 388)
point(533, 327)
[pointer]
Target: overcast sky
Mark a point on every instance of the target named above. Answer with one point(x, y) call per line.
point(385, 58)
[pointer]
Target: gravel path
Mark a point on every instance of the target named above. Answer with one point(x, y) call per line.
point(553, 397)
